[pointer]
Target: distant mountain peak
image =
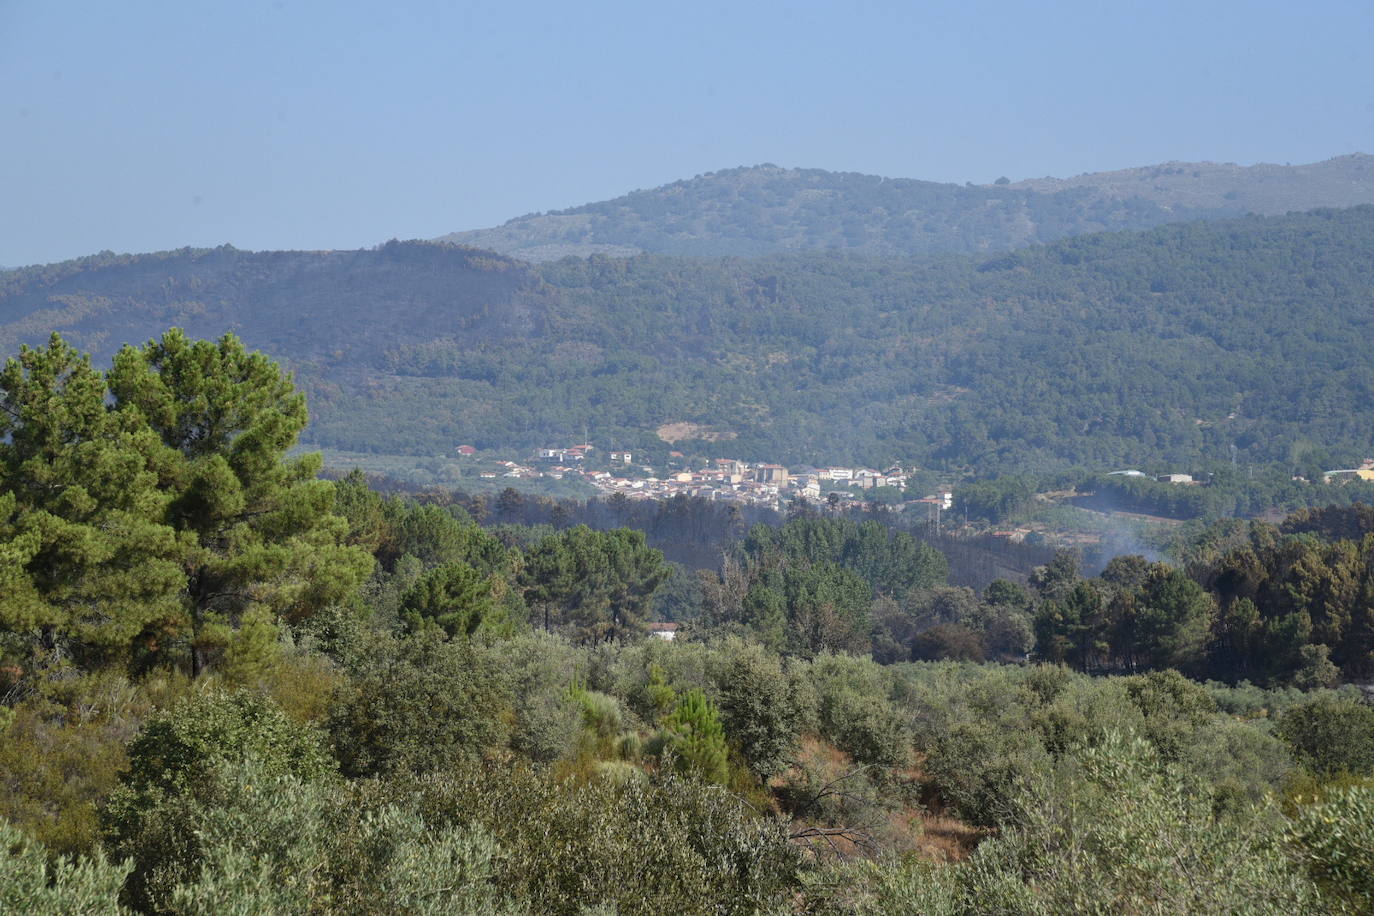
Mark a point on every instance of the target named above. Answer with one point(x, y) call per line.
point(1265, 187)
point(764, 209)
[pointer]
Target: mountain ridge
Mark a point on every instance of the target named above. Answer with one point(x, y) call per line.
point(768, 209)
point(1328, 183)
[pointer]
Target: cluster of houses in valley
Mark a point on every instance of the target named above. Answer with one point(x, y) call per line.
point(727, 479)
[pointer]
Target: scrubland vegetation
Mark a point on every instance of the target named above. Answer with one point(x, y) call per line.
point(229, 686)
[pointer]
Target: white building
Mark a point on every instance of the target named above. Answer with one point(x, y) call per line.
point(666, 631)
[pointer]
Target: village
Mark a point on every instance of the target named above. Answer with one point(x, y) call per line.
point(763, 484)
point(628, 474)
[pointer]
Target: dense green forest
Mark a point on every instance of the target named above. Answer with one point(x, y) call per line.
point(228, 685)
point(694, 533)
point(767, 210)
point(1232, 340)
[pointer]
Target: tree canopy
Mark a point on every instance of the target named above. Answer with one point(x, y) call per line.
point(154, 508)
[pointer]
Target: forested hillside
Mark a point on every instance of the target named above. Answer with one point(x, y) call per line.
point(1170, 345)
point(766, 209)
point(338, 308)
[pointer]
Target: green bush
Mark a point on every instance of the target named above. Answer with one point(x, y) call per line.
point(882, 887)
point(282, 845)
point(869, 730)
point(176, 770)
point(631, 673)
point(1173, 708)
point(854, 710)
point(1330, 735)
point(62, 754)
point(34, 881)
point(418, 704)
point(757, 707)
point(1334, 841)
point(640, 847)
point(976, 732)
point(1107, 829)
point(539, 668)
point(1113, 828)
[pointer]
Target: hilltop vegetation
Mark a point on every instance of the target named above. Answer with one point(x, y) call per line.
point(767, 210)
point(1264, 188)
point(1167, 346)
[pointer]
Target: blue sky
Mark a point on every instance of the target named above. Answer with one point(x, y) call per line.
point(139, 126)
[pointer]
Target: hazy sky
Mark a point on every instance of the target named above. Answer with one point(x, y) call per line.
point(137, 126)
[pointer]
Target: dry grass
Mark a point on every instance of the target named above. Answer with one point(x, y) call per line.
point(947, 839)
point(677, 432)
point(926, 829)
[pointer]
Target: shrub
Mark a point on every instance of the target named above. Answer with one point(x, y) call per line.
point(757, 707)
point(1334, 840)
point(1113, 828)
point(33, 881)
point(1173, 707)
point(949, 640)
point(639, 847)
point(977, 736)
point(854, 710)
point(1330, 735)
point(419, 704)
point(540, 667)
point(176, 769)
point(61, 756)
point(282, 845)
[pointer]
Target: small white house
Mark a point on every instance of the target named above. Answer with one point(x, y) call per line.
point(666, 631)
